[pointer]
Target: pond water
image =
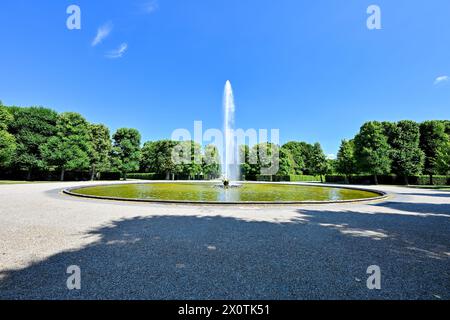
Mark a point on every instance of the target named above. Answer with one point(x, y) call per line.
point(210, 192)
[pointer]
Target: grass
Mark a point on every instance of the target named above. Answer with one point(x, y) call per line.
point(22, 182)
point(15, 182)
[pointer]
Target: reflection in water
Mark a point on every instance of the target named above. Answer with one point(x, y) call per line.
point(208, 192)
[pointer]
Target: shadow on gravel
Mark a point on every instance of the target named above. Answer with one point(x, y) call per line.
point(441, 195)
point(414, 208)
point(321, 255)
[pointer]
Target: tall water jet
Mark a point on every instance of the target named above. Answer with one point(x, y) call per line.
point(230, 163)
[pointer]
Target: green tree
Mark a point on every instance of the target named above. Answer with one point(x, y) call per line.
point(432, 138)
point(249, 165)
point(70, 148)
point(147, 161)
point(331, 165)
point(7, 141)
point(307, 151)
point(5, 118)
point(406, 155)
point(372, 150)
point(346, 163)
point(318, 161)
point(296, 150)
point(32, 128)
point(211, 162)
point(447, 126)
point(188, 158)
point(126, 150)
point(265, 158)
point(287, 163)
point(157, 158)
point(101, 149)
point(443, 159)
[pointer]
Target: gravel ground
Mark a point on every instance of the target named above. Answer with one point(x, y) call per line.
point(155, 251)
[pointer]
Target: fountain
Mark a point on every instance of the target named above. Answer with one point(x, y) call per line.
point(230, 159)
point(231, 191)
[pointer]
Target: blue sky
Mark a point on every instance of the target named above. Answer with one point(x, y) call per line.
point(309, 68)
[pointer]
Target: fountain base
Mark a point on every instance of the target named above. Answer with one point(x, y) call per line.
point(227, 184)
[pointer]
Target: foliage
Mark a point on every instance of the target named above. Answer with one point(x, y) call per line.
point(70, 148)
point(188, 158)
point(126, 151)
point(287, 163)
point(296, 150)
point(406, 155)
point(32, 127)
point(8, 144)
point(157, 157)
point(211, 162)
point(5, 118)
point(443, 159)
point(265, 158)
point(288, 178)
point(101, 148)
point(7, 148)
point(346, 163)
point(432, 138)
point(372, 149)
point(145, 176)
point(249, 170)
point(318, 161)
point(39, 140)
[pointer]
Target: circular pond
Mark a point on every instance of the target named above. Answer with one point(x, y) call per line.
point(211, 193)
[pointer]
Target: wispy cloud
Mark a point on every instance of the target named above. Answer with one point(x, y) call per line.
point(117, 53)
point(331, 156)
point(102, 33)
point(149, 6)
point(441, 79)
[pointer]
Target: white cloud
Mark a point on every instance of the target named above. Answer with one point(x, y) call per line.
point(441, 79)
point(331, 156)
point(149, 6)
point(102, 33)
point(117, 53)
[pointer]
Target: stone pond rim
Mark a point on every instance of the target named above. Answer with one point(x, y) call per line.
point(378, 195)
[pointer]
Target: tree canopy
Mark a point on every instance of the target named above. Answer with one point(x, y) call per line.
point(372, 149)
point(406, 155)
point(101, 149)
point(126, 150)
point(432, 138)
point(37, 139)
point(70, 148)
point(346, 163)
point(8, 144)
point(32, 127)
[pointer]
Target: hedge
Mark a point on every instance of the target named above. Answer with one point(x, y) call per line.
point(54, 175)
point(110, 176)
point(290, 178)
point(145, 176)
point(389, 179)
point(157, 176)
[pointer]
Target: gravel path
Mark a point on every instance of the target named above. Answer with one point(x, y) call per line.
point(155, 251)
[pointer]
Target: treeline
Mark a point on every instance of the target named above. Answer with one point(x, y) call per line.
point(405, 148)
point(39, 143)
point(292, 159)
